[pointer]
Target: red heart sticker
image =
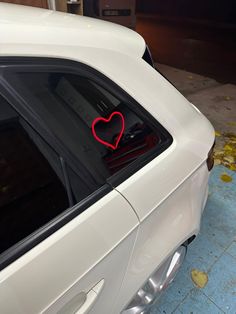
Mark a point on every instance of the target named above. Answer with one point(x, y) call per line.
point(117, 140)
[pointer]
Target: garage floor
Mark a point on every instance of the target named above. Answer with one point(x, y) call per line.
point(207, 280)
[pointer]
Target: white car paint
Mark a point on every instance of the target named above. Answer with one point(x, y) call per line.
point(42, 278)
point(45, 27)
point(166, 197)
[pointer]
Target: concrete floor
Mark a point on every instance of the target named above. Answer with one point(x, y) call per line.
point(211, 258)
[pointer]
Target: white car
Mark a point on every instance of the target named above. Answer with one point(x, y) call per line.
point(104, 167)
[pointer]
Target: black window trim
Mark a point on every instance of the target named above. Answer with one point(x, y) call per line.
point(9, 65)
point(147, 56)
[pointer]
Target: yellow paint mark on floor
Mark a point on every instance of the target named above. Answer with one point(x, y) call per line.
point(232, 167)
point(217, 133)
point(217, 162)
point(226, 178)
point(228, 147)
point(226, 155)
point(227, 98)
point(199, 278)
point(231, 123)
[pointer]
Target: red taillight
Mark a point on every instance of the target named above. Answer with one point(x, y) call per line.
point(210, 158)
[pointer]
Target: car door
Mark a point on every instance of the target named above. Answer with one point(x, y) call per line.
point(93, 136)
point(66, 237)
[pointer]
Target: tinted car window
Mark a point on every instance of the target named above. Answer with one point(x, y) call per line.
point(98, 128)
point(32, 191)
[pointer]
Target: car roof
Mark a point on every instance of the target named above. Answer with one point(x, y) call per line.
point(24, 25)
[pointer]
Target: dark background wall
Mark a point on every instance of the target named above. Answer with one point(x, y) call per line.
point(217, 10)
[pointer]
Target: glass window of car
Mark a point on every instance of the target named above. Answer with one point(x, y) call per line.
point(99, 129)
point(32, 190)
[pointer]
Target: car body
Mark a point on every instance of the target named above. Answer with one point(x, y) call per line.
point(105, 165)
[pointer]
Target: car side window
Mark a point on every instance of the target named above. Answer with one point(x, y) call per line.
point(100, 130)
point(32, 190)
point(68, 141)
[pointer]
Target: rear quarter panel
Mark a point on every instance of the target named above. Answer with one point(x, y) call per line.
point(167, 226)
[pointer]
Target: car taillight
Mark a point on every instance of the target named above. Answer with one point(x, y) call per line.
point(210, 158)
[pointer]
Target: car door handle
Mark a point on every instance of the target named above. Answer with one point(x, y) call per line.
point(82, 302)
point(91, 297)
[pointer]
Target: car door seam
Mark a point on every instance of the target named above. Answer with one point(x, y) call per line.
point(128, 203)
